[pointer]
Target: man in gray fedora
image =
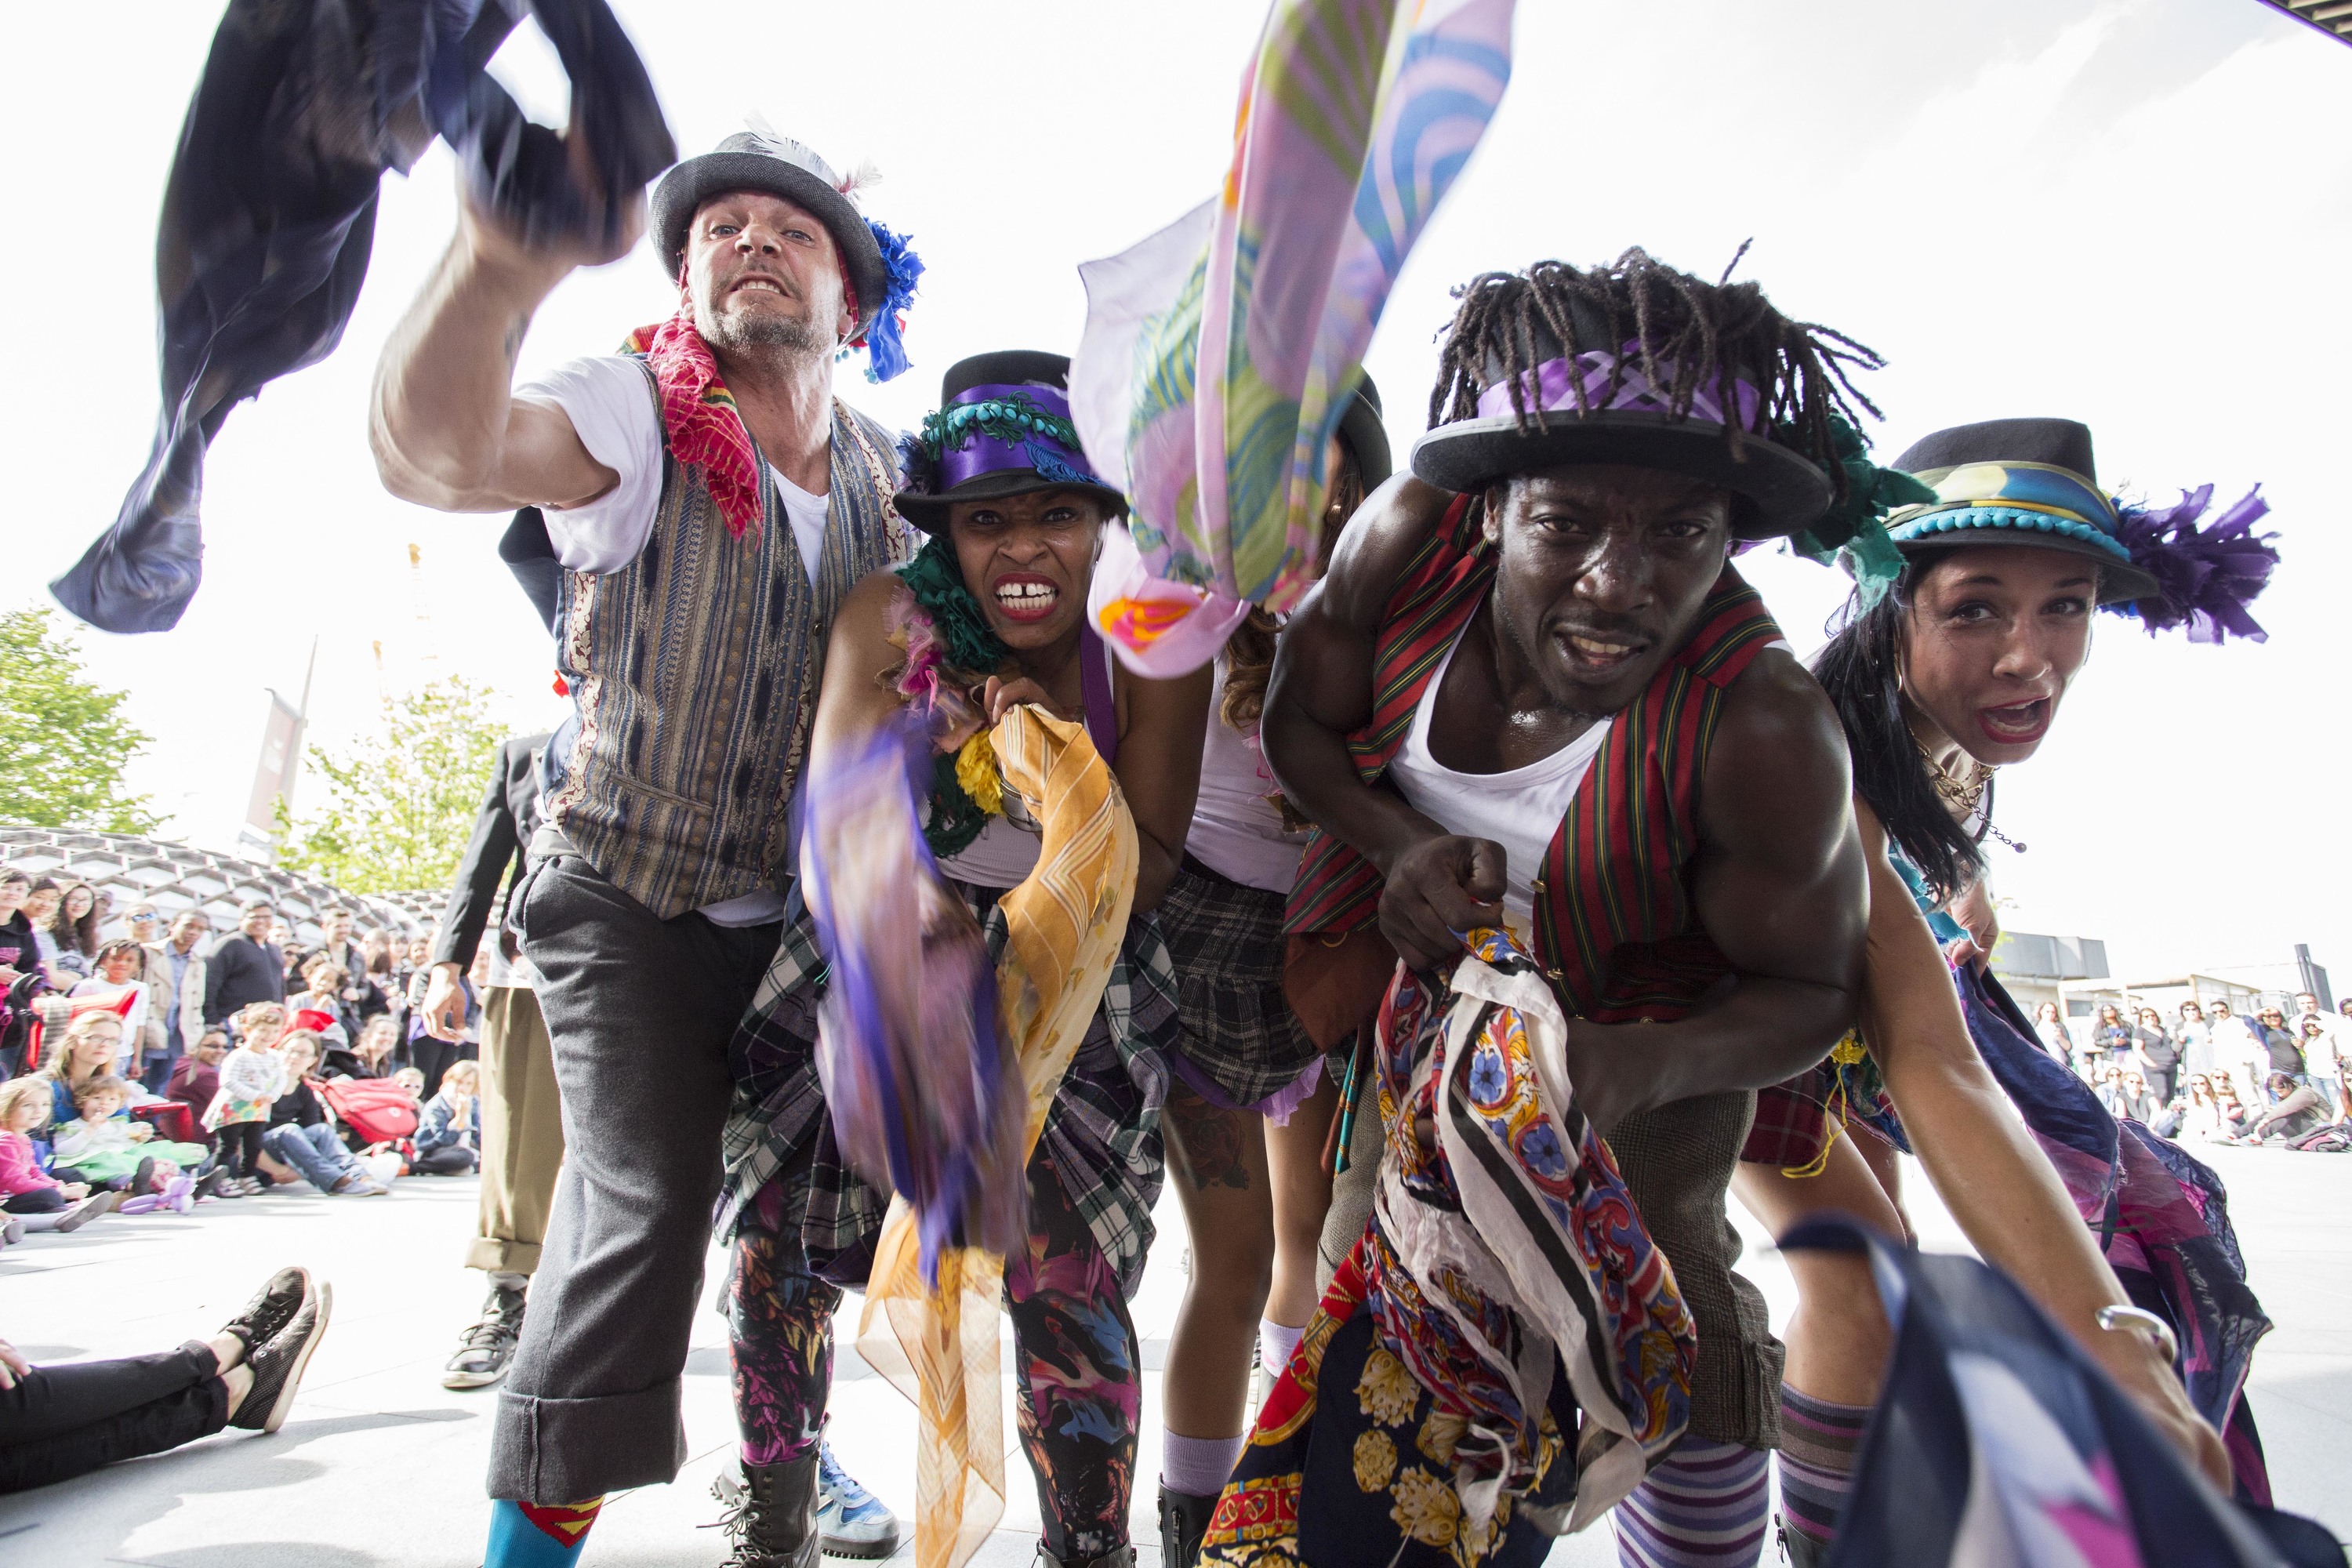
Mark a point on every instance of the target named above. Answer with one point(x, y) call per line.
point(710, 501)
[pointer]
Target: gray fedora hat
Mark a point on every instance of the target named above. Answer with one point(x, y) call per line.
point(1786, 491)
point(779, 166)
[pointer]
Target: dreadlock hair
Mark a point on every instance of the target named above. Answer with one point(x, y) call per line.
point(1706, 331)
point(1861, 669)
point(1249, 652)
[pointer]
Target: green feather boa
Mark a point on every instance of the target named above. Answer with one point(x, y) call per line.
point(936, 579)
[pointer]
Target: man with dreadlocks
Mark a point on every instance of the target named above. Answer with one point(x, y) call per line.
point(1536, 713)
point(711, 502)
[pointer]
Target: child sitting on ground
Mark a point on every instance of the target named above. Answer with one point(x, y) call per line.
point(34, 1199)
point(449, 1126)
point(412, 1080)
point(106, 1148)
point(251, 1077)
point(325, 979)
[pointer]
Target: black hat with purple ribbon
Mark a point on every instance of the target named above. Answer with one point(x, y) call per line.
point(1640, 366)
point(1003, 428)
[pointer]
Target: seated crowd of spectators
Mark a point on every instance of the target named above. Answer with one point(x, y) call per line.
point(2210, 1075)
point(149, 1066)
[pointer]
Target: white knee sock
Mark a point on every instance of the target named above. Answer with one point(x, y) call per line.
point(1198, 1467)
point(1276, 1344)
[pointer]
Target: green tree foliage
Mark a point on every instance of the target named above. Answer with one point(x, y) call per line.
point(400, 801)
point(64, 742)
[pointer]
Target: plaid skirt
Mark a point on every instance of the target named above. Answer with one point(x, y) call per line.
point(1240, 1047)
point(1102, 1129)
point(1792, 1118)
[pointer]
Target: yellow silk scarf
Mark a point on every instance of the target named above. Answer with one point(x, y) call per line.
point(1063, 930)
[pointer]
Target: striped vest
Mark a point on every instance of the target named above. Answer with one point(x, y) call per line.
point(695, 668)
point(1614, 927)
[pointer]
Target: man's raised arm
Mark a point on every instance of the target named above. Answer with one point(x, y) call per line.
point(447, 432)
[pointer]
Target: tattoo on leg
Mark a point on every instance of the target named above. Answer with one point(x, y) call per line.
point(1207, 1142)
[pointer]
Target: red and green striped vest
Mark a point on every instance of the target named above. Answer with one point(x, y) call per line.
point(1613, 925)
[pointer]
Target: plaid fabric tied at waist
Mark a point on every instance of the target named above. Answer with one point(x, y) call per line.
point(1102, 1129)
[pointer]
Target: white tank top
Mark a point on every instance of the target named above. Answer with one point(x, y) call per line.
point(1237, 831)
point(1520, 809)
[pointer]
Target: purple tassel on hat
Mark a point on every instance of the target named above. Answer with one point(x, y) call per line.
point(2206, 577)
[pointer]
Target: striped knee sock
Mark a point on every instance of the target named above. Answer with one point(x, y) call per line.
point(535, 1535)
point(1819, 1442)
point(1704, 1507)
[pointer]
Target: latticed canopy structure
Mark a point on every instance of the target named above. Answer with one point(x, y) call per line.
point(2330, 17)
point(175, 877)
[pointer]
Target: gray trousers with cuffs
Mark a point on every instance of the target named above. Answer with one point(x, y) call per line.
point(640, 1011)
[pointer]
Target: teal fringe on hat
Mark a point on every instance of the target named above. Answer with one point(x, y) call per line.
point(1854, 530)
point(1970, 520)
point(1017, 422)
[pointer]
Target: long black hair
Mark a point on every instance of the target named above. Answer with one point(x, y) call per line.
point(1861, 669)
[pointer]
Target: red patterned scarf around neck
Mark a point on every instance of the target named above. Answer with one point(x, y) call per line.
point(699, 416)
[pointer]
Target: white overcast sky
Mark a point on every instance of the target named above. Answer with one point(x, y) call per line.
point(2136, 213)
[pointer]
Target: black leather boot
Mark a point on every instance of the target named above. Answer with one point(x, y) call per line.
point(1117, 1557)
point(770, 1514)
point(1183, 1520)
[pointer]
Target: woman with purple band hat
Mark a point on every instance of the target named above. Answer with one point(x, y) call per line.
point(989, 615)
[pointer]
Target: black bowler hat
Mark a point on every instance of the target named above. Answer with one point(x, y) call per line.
point(1361, 428)
point(1626, 419)
point(2017, 481)
point(1003, 428)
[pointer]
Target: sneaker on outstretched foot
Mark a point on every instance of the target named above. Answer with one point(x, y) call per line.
point(87, 1210)
point(488, 1347)
point(850, 1520)
point(272, 1308)
point(279, 1364)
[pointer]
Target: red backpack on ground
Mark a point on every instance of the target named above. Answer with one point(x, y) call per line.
point(377, 1108)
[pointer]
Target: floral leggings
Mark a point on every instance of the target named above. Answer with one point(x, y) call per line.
point(1076, 1360)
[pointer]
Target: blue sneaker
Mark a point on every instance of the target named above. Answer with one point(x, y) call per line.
point(850, 1520)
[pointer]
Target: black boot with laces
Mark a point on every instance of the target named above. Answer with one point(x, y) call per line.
point(771, 1517)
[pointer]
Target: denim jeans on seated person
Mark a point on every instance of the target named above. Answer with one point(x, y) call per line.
point(314, 1151)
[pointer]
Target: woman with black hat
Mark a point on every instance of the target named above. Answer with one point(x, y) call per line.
point(1252, 1094)
point(1956, 667)
point(990, 614)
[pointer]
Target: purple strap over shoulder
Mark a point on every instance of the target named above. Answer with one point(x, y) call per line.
point(1102, 708)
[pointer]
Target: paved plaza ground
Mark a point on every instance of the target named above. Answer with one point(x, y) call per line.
point(381, 1468)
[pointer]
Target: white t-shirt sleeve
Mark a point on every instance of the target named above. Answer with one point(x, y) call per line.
point(610, 403)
